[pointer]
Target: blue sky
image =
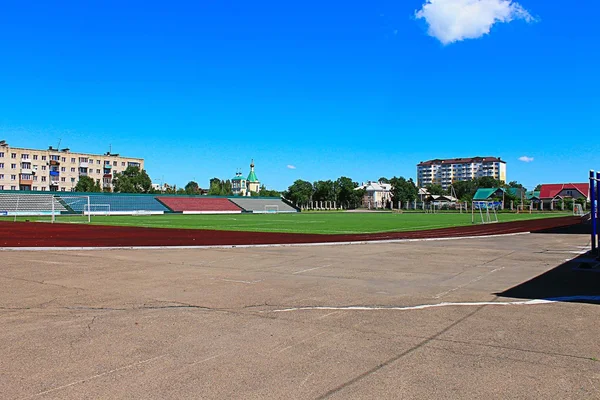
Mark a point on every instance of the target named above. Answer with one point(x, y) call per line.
point(362, 89)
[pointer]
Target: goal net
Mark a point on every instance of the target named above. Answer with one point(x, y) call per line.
point(96, 209)
point(484, 212)
point(43, 207)
point(578, 210)
point(273, 209)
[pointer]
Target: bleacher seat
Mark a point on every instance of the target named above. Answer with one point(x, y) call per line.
point(200, 204)
point(117, 202)
point(262, 205)
point(19, 202)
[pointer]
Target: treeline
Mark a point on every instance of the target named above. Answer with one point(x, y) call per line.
point(342, 191)
point(220, 187)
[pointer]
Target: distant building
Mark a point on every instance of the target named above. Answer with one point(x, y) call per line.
point(245, 186)
point(447, 171)
point(555, 192)
point(377, 194)
point(55, 170)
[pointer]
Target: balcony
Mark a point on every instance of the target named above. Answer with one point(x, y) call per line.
point(107, 176)
point(107, 166)
point(84, 164)
point(25, 181)
point(54, 173)
point(83, 173)
point(27, 171)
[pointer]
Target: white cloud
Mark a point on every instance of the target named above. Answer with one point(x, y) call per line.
point(290, 166)
point(526, 159)
point(455, 20)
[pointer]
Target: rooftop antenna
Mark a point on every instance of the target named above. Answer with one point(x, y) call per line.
point(58, 147)
point(109, 148)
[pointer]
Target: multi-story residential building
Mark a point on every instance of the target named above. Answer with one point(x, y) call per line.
point(445, 172)
point(55, 170)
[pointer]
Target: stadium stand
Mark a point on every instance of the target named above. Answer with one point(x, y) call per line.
point(119, 203)
point(263, 205)
point(199, 205)
point(16, 203)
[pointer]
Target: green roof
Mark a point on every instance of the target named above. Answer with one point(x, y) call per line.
point(237, 178)
point(534, 194)
point(252, 177)
point(484, 194)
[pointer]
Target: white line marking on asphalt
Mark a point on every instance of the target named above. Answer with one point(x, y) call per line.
point(135, 364)
point(445, 304)
point(236, 281)
point(468, 283)
point(311, 269)
point(249, 246)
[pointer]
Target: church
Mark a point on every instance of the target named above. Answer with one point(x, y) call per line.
point(244, 186)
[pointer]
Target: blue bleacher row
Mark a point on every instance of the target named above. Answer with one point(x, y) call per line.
point(116, 203)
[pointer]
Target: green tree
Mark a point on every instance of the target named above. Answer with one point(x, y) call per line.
point(383, 180)
point(488, 182)
point(219, 187)
point(300, 192)
point(435, 189)
point(403, 190)
point(268, 193)
point(324, 191)
point(132, 180)
point(346, 195)
point(87, 184)
point(192, 188)
point(537, 188)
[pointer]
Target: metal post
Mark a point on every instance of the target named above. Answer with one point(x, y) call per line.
point(597, 197)
point(593, 209)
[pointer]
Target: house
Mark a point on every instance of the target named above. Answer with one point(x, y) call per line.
point(377, 194)
point(488, 194)
point(555, 192)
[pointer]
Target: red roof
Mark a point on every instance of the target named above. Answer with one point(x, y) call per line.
point(550, 191)
point(461, 161)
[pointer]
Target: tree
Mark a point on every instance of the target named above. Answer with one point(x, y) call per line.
point(346, 195)
point(264, 192)
point(300, 192)
point(516, 185)
point(488, 182)
point(132, 180)
point(538, 188)
point(87, 184)
point(383, 180)
point(192, 188)
point(324, 191)
point(403, 190)
point(435, 189)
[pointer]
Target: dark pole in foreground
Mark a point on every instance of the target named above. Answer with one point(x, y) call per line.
point(593, 210)
point(597, 182)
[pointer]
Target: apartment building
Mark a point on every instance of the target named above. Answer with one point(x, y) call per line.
point(57, 170)
point(445, 172)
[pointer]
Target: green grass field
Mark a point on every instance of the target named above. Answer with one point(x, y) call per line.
point(313, 222)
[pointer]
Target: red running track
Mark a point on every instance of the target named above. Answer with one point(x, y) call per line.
point(29, 234)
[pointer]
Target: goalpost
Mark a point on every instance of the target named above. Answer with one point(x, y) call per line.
point(96, 209)
point(72, 208)
point(578, 210)
point(272, 209)
point(487, 211)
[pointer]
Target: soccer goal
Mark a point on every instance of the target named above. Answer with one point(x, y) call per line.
point(484, 211)
point(44, 207)
point(96, 209)
point(272, 209)
point(578, 210)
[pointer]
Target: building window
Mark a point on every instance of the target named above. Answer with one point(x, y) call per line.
point(72, 169)
point(13, 188)
point(114, 163)
point(13, 155)
point(26, 177)
point(35, 178)
point(43, 188)
point(2, 165)
point(91, 161)
point(54, 158)
point(62, 169)
point(35, 157)
point(97, 161)
point(64, 159)
point(43, 179)
point(1, 176)
point(43, 159)
point(1, 187)
point(43, 167)
point(35, 188)
point(97, 171)
point(1, 154)
point(122, 163)
point(24, 156)
point(62, 179)
point(72, 179)
point(13, 177)
point(62, 189)
point(13, 166)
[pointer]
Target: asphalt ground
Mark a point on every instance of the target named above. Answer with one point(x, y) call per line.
point(440, 319)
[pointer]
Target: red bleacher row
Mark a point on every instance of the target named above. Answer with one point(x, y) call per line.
point(181, 204)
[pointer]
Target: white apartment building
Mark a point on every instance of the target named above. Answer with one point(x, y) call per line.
point(445, 172)
point(55, 170)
